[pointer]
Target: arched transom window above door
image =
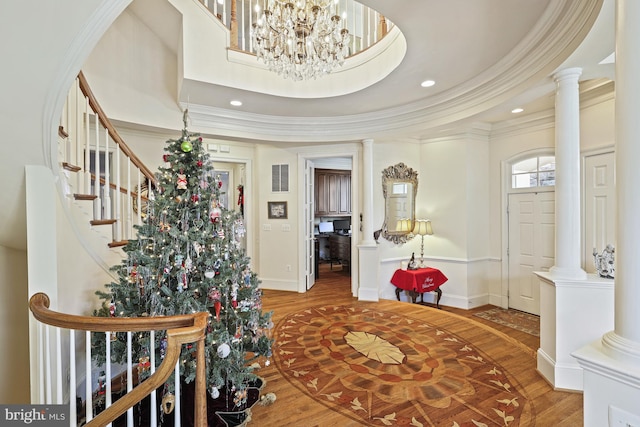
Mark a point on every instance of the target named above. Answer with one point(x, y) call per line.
point(538, 171)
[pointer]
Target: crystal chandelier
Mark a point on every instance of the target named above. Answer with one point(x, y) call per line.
point(300, 40)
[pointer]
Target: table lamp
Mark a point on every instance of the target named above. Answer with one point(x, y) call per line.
point(423, 228)
point(404, 226)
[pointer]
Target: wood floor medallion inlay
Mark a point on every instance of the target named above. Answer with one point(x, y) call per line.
point(383, 368)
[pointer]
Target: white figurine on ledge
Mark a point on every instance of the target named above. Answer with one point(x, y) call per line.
point(604, 262)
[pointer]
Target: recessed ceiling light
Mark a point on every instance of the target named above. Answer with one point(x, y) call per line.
point(517, 110)
point(236, 103)
point(427, 83)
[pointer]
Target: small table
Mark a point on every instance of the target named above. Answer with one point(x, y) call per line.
point(417, 282)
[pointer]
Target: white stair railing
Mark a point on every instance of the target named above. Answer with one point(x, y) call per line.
point(98, 162)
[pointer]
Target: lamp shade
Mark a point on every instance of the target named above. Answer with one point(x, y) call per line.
point(403, 225)
point(423, 227)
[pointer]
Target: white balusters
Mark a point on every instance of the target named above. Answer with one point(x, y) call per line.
point(41, 375)
point(129, 222)
point(118, 194)
point(82, 123)
point(107, 176)
point(107, 369)
point(73, 410)
point(87, 151)
point(47, 365)
point(177, 410)
point(129, 378)
point(88, 383)
point(153, 421)
point(249, 16)
point(58, 367)
point(139, 199)
point(97, 203)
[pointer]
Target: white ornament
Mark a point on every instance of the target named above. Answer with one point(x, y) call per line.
point(224, 350)
point(215, 393)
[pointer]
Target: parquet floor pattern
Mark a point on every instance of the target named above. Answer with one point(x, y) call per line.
point(293, 408)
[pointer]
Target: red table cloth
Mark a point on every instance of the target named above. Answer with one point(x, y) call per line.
point(420, 280)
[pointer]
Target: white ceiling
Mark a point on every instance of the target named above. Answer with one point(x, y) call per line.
point(486, 56)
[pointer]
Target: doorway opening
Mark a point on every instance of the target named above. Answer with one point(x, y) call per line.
point(330, 231)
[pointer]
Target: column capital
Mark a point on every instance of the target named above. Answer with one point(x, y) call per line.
point(567, 74)
point(367, 142)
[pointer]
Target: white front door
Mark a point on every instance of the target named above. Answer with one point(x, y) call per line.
point(309, 237)
point(531, 246)
point(599, 205)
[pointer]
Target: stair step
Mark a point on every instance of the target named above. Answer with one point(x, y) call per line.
point(84, 196)
point(118, 244)
point(102, 221)
point(70, 167)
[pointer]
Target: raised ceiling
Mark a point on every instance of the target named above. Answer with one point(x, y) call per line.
point(486, 57)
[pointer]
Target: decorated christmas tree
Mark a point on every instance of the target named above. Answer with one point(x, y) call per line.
point(188, 258)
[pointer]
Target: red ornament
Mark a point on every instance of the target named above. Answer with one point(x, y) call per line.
point(195, 198)
point(200, 139)
point(165, 157)
point(199, 163)
point(219, 184)
point(234, 303)
point(217, 305)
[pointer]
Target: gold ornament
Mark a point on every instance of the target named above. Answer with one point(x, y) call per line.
point(168, 403)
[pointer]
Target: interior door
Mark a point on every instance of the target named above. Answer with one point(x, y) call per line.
point(599, 205)
point(531, 246)
point(309, 238)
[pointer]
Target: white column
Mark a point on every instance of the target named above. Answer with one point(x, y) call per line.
point(367, 190)
point(369, 262)
point(625, 339)
point(612, 364)
point(567, 188)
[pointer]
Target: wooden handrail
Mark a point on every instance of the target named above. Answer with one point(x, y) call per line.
point(181, 329)
point(106, 123)
point(123, 190)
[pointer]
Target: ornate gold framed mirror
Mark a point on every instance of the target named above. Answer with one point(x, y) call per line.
point(399, 186)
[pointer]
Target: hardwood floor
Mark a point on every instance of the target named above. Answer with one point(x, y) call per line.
point(293, 408)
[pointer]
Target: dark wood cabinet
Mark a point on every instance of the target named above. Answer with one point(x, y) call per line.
point(340, 249)
point(332, 192)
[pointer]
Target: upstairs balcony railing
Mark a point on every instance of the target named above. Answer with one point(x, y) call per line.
point(365, 25)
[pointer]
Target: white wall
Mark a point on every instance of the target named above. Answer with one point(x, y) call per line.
point(133, 74)
point(14, 315)
point(597, 124)
point(453, 194)
point(279, 242)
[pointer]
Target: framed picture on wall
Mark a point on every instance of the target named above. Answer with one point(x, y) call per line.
point(277, 210)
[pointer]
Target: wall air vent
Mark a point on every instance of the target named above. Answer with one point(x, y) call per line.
point(279, 178)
